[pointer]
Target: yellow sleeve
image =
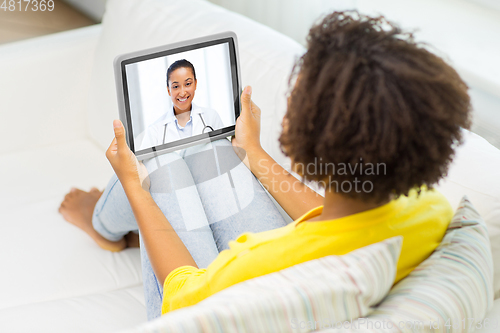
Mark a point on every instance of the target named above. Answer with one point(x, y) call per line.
point(182, 281)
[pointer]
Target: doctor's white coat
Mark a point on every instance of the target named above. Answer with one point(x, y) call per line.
point(153, 135)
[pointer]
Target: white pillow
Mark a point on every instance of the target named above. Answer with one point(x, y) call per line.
point(266, 56)
point(315, 293)
point(475, 172)
point(451, 290)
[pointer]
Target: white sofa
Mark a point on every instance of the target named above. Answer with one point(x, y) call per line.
point(56, 106)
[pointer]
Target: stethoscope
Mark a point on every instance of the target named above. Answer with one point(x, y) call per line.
point(205, 127)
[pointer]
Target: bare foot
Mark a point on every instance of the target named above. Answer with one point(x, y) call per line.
point(77, 209)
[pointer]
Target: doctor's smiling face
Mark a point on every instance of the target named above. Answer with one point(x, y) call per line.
point(181, 88)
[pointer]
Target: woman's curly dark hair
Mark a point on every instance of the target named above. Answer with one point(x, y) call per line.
point(366, 94)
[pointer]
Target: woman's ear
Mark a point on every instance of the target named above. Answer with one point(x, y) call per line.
point(168, 89)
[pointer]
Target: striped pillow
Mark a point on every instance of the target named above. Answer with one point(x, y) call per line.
point(452, 290)
point(302, 298)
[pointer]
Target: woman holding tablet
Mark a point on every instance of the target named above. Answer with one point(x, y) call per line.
point(365, 92)
point(185, 119)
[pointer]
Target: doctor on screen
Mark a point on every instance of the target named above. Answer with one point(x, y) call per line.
point(185, 119)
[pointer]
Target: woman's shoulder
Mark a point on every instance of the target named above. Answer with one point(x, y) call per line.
point(427, 196)
point(430, 202)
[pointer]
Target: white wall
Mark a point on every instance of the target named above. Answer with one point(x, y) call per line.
point(493, 4)
point(290, 17)
point(464, 32)
point(93, 8)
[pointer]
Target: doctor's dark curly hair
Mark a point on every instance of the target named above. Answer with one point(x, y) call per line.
point(366, 94)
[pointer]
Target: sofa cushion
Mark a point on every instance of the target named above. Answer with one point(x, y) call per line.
point(108, 311)
point(475, 173)
point(300, 298)
point(266, 56)
point(44, 258)
point(452, 287)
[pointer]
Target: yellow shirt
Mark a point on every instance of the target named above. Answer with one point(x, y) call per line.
point(422, 221)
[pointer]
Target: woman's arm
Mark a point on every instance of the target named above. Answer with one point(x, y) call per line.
point(291, 194)
point(165, 249)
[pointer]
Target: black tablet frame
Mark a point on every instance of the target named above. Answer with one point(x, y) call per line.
point(123, 94)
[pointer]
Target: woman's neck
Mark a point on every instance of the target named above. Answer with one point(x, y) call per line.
point(182, 116)
point(178, 111)
point(337, 205)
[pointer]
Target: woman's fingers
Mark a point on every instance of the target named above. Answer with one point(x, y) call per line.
point(113, 146)
point(119, 143)
point(248, 107)
point(246, 101)
point(247, 134)
point(119, 134)
point(112, 150)
point(255, 110)
point(123, 161)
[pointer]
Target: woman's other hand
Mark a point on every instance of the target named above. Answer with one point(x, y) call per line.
point(247, 133)
point(129, 170)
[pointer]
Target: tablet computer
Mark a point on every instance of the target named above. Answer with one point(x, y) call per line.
point(175, 96)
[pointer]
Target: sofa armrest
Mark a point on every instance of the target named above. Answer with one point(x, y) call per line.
point(44, 87)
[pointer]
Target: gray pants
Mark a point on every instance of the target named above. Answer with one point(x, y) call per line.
point(209, 197)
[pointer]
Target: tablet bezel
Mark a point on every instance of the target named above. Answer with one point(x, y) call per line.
point(188, 45)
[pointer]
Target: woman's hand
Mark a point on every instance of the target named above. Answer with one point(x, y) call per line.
point(129, 170)
point(158, 235)
point(247, 134)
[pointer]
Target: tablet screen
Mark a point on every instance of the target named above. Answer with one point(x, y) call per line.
point(177, 97)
